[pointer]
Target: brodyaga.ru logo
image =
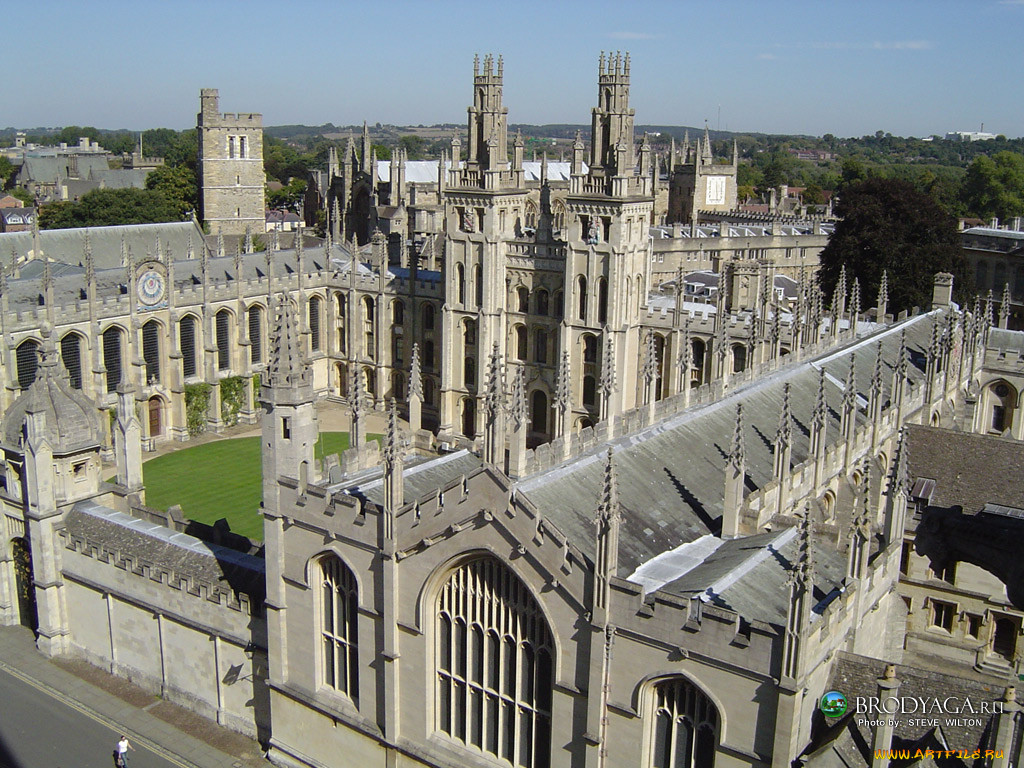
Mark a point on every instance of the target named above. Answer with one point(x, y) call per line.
point(833, 704)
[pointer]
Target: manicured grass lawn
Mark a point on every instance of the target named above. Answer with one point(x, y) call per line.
point(219, 479)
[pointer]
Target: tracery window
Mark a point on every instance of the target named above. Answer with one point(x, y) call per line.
point(255, 316)
point(187, 338)
point(314, 324)
point(685, 726)
point(494, 665)
point(338, 632)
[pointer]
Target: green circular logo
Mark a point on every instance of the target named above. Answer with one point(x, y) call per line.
point(833, 704)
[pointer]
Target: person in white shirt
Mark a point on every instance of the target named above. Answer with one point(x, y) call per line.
point(122, 749)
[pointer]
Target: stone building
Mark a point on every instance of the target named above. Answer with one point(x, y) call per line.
point(697, 184)
point(652, 533)
point(231, 180)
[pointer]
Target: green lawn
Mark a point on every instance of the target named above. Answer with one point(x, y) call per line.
point(219, 479)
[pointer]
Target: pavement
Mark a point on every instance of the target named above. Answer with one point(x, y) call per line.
point(173, 733)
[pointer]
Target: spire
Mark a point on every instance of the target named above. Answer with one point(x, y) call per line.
point(820, 412)
point(562, 382)
point(650, 363)
point(394, 490)
point(608, 509)
point(415, 375)
point(883, 297)
point(784, 435)
point(494, 396)
point(876, 375)
point(285, 367)
point(608, 382)
point(706, 154)
point(1004, 307)
point(517, 408)
point(803, 567)
point(738, 452)
point(850, 389)
point(607, 520)
point(249, 247)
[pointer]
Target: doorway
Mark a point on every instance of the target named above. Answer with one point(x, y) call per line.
point(24, 584)
point(1004, 637)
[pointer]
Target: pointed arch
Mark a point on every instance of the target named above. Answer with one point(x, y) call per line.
point(26, 358)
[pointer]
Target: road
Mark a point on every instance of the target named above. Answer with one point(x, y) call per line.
point(38, 731)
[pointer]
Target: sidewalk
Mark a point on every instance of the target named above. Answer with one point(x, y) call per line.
point(173, 732)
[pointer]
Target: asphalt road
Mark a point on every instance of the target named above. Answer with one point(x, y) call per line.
point(38, 731)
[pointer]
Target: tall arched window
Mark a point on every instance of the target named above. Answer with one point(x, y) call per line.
point(27, 358)
point(540, 346)
point(495, 668)
point(71, 356)
point(522, 299)
point(397, 312)
point(685, 726)
point(739, 358)
point(369, 341)
point(469, 332)
point(151, 335)
point(428, 317)
point(460, 284)
point(559, 304)
point(112, 356)
point(581, 295)
point(255, 317)
point(342, 323)
point(539, 411)
point(478, 284)
point(314, 323)
point(339, 645)
point(520, 334)
point(589, 348)
point(223, 328)
point(542, 302)
point(187, 339)
point(602, 300)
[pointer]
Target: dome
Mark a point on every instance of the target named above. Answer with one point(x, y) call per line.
point(72, 421)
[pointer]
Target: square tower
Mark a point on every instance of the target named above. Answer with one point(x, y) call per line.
point(231, 178)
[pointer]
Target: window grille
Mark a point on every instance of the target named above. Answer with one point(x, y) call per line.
point(71, 357)
point(685, 727)
point(27, 358)
point(151, 351)
point(494, 665)
point(223, 341)
point(187, 337)
point(112, 357)
point(338, 627)
point(255, 335)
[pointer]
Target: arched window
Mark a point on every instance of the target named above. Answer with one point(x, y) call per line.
point(495, 670)
point(369, 340)
point(151, 351)
point(371, 381)
point(698, 351)
point(187, 339)
point(685, 726)
point(223, 328)
point(478, 284)
point(460, 284)
point(469, 373)
point(522, 299)
point(342, 323)
point(27, 358)
point(338, 627)
point(112, 356)
point(539, 411)
point(540, 346)
point(589, 349)
point(428, 317)
point(398, 386)
point(542, 302)
point(469, 332)
point(581, 294)
point(255, 317)
point(468, 417)
point(397, 346)
point(739, 358)
point(314, 323)
point(602, 300)
point(71, 357)
point(1003, 398)
point(397, 312)
point(589, 392)
point(368, 309)
point(520, 334)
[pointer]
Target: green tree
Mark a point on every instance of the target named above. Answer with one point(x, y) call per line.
point(7, 172)
point(813, 195)
point(414, 146)
point(23, 195)
point(890, 225)
point(176, 183)
point(109, 207)
point(994, 186)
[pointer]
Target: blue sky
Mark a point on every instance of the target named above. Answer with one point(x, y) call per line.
point(910, 67)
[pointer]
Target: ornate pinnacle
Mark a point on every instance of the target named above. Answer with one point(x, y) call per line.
point(220, 244)
point(495, 393)
point(988, 309)
point(650, 364)
point(249, 247)
point(1004, 306)
point(883, 290)
point(841, 284)
point(820, 408)
point(785, 434)
point(415, 375)
point(850, 390)
point(392, 439)
point(517, 409)
point(855, 298)
point(899, 480)
point(876, 374)
point(608, 383)
point(609, 506)
point(562, 382)
point(861, 521)
point(284, 362)
point(737, 452)
point(356, 391)
point(803, 568)
point(901, 357)
point(686, 347)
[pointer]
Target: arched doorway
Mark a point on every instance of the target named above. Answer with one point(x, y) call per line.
point(1004, 637)
point(469, 417)
point(156, 417)
point(24, 584)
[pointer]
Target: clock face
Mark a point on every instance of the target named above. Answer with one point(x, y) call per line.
point(151, 288)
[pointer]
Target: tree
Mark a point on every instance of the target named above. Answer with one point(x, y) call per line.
point(7, 172)
point(813, 195)
point(110, 207)
point(994, 186)
point(177, 184)
point(890, 225)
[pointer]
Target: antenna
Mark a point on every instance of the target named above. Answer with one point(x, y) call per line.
point(719, 118)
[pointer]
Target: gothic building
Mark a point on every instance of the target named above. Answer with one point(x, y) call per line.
point(657, 530)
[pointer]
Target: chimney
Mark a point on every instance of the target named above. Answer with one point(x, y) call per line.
point(881, 739)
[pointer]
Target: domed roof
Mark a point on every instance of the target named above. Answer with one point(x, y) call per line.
point(72, 420)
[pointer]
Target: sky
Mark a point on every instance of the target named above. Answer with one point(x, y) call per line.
point(845, 67)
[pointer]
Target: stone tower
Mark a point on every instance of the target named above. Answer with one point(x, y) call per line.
point(697, 183)
point(485, 204)
point(231, 178)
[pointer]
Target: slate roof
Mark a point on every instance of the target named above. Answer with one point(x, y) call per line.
point(50, 169)
point(962, 464)
point(420, 477)
point(224, 571)
point(671, 475)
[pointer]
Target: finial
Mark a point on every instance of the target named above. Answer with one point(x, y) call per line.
point(392, 438)
point(495, 393)
point(517, 409)
point(608, 383)
point(819, 414)
point(738, 452)
point(650, 364)
point(784, 435)
point(850, 390)
point(609, 506)
point(415, 375)
point(562, 382)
